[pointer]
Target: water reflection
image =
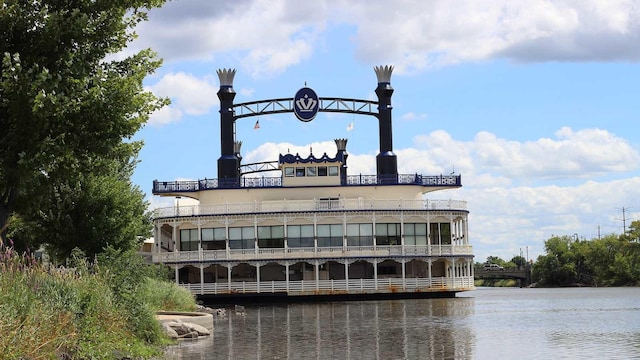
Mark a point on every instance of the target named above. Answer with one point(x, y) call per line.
point(403, 329)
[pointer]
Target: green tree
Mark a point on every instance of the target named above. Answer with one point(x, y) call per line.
point(557, 267)
point(519, 261)
point(634, 231)
point(68, 110)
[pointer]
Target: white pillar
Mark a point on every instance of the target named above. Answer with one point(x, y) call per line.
point(174, 236)
point(201, 279)
point(404, 275)
point(453, 267)
point(258, 277)
point(375, 275)
point(346, 275)
point(286, 275)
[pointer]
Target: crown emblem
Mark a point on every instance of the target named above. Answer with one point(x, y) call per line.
point(305, 104)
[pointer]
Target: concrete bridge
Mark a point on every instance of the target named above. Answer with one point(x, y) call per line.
point(523, 275)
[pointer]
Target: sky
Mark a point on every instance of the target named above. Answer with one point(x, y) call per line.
point(534, 103)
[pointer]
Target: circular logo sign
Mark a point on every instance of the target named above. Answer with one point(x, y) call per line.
point(306, 104)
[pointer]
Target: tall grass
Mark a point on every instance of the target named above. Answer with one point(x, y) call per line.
point(92, 312)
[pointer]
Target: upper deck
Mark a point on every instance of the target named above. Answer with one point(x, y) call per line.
point(175, 187)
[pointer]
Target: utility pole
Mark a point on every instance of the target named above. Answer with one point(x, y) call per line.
point(624, 220)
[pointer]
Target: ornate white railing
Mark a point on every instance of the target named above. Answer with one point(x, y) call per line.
point(310, 205)
point(310, 253)
point(169, 187)
point(334, 287)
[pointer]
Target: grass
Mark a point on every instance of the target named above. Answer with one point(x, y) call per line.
point(104, 312)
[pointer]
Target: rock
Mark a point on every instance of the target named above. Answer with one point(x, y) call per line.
point(201, 330)
point(189, 335)
point(179, 327)
point(171, 333)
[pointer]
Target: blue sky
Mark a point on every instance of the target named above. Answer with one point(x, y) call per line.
point(533, 102)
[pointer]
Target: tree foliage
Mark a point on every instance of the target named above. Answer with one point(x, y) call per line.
point(613, 260)
point(68, 111)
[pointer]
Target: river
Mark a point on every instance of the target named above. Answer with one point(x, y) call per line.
point(488, 323)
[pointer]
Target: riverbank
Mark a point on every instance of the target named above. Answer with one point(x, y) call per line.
point(101, 312)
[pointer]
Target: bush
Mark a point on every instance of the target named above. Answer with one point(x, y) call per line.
point(104, 312)
point(162, 295)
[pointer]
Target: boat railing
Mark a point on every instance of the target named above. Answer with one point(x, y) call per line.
point(330, 287)
point(309, 205)
point(168, 187)
point(310, 253)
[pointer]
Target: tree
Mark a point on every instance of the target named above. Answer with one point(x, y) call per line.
point(634, 231)
point(67, 114)
point(557, 267)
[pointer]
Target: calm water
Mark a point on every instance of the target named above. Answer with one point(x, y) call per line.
point(489, 323)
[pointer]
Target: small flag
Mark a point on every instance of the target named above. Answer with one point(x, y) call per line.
point(350, 126)
point(257, 125)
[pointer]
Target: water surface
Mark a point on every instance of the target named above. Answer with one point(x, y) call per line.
point(489, 323)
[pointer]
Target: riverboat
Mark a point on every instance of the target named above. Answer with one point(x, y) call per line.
point(313, 231)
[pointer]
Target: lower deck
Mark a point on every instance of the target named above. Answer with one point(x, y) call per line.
point(401, 276)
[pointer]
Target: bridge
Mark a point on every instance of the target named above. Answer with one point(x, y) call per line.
point(523, 275)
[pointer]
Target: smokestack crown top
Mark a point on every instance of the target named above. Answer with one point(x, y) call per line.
point(226, 76)
point(383, 73)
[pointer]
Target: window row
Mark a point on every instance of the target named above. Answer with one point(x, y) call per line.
point(333, 235)
point(302, 171)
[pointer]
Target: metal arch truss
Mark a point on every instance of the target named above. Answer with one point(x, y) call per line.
point(283, 105)
point(259, 167)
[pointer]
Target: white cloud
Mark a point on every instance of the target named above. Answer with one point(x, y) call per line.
point(418, 34)
point(505, 216)
point(189, 95)
point(267, 36)
point(581, 154)
point(411, 116)
point(165, 115)
point(273, 60)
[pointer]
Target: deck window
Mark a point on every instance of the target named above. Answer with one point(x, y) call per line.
point(388, 234)
point(189, 240)
point(270, 237)
point(300, 172)
point(333, 171)
point(359, 234)
point(289, 172)
point(312, 171)
point(322, 171)
point(330, 235)
point(440, 233)
point(214, 239)
point(300, 235)
point(415, 234)
point(241, 237)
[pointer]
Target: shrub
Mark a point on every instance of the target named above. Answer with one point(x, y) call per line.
point(104, 312)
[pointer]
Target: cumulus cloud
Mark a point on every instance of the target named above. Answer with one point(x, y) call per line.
point(419, 34)
point(508, 215)
point(507, 219)
point(580, 154)
point(189, 95)
point(267, 36)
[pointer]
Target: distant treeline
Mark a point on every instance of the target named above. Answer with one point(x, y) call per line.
point(613, 260)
